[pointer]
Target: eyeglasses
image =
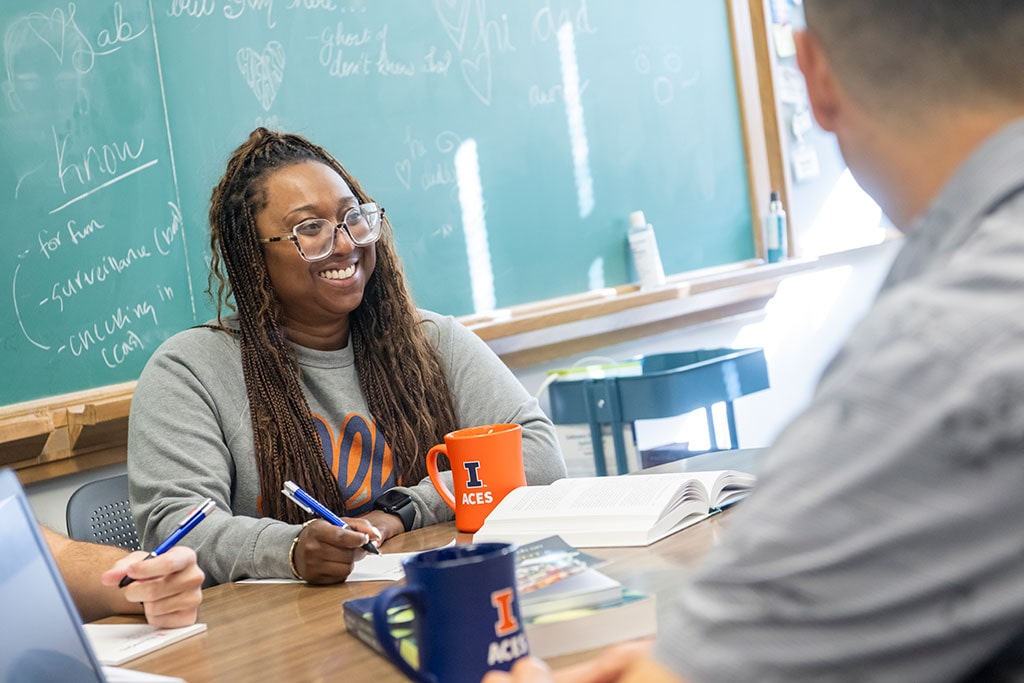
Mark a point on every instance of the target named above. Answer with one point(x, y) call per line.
point(314, 238)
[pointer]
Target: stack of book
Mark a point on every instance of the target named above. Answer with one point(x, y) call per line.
point(566, 603)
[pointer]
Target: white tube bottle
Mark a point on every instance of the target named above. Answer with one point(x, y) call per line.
point(644, 247)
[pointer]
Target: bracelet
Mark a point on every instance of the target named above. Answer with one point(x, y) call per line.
point(291, 551)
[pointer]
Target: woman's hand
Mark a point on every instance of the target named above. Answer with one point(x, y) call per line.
point(325, 553)
point(389, 525)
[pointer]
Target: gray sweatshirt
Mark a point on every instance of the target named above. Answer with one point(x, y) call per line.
point(190, 437)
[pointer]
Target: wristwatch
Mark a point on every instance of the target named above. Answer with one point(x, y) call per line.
point(396, 502)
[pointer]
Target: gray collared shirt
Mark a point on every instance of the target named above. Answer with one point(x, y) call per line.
point(885, 541)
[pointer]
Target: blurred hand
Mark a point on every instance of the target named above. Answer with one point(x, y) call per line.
point(628, 663)
point(526, 670)
point(325, 553)
point(168, 586)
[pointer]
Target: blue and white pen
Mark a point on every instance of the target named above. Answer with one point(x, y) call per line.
point(196, 515)
point(313, 506)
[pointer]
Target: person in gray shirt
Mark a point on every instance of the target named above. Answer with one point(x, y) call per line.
point(884, 541)
point(326, 375)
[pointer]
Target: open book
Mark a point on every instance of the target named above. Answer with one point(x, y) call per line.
point(626, 510)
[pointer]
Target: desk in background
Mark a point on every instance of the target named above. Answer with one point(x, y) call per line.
point(295, 632)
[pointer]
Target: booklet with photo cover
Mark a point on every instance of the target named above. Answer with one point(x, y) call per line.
point(552, 576)
point(623, 510)
point(548, 561)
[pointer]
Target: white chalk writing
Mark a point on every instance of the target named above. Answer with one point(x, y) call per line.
point(191, 8)
point(122, 32)
point(61, 292)
point(98, 162)
point(547, 22)
point(233, 9)
point(164, 237)
point(432, 166)
point(348, 51)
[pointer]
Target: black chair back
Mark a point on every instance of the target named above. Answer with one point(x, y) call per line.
point(99, 512)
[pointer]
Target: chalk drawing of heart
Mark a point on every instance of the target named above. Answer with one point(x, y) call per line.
point(263, 71)
point(49, 30)
point(403, 169)
point(477, 74)
point(454, 16)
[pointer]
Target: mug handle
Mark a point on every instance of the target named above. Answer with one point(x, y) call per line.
point(435, 476)
point(383, 629)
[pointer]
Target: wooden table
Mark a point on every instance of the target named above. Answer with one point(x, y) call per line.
point(295, 632)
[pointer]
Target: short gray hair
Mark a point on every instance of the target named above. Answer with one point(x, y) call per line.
point(910, 55)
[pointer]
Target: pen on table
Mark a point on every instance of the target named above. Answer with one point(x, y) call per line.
point(311, 505)
point(196, 515)
point(728, 504)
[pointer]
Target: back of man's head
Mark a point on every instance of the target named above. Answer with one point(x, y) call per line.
point(906, 57)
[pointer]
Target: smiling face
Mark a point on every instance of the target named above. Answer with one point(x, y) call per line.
point(316, 297)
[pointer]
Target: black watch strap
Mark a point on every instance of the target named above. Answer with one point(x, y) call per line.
point(397, 503)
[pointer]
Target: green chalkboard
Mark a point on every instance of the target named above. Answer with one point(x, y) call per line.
point(94, 263)
point(508, 140)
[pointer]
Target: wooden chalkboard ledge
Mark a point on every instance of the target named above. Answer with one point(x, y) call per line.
point(59, 435)
point(547, 330)
point(51, 437)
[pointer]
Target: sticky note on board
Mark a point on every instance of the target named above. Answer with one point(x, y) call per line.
point(791, 87)
point(806, 165)
point(802, 123)
point(785, 46)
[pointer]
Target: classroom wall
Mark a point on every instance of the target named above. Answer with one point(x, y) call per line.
point(800, 330)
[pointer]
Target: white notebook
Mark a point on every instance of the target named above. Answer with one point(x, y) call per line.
point(119, 643)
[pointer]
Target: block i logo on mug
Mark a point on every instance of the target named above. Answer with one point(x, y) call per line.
point(487, 463)
point(467, 620)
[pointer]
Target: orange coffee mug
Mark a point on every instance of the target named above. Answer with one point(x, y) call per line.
point(487, 463)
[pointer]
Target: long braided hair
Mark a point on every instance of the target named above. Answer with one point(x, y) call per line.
point(405, 387)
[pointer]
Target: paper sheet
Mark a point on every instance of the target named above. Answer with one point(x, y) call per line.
point(115, 674)
point(385, 567)
point(119, 643)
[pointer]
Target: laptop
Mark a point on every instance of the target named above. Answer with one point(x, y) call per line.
point(43, 639)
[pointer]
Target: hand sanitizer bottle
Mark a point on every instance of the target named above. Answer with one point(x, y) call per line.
point(644, 247)
point(776, 241)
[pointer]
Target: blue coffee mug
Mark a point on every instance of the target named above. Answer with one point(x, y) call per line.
point(467, 619)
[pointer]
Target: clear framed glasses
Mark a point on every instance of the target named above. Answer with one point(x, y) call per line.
point(314, 237)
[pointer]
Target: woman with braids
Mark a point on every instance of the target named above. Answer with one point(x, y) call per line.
point(326, 374)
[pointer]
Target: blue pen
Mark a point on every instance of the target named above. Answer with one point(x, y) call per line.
point(196, 515)
point(313, 506)
point(726, 506)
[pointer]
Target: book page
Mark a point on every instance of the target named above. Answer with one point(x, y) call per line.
point(634, 509)
point(729, 485)
point(634, 494)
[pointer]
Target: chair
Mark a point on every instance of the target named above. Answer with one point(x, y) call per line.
point(99, 512)
point(670, 384)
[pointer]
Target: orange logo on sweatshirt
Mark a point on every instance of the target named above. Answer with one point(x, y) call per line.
point(360, 459)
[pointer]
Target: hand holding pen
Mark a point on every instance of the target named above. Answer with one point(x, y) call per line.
point(311, 505)
point(196, 515)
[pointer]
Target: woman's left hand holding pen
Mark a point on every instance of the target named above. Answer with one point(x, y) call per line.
point(325, 553)
point(168, 586)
